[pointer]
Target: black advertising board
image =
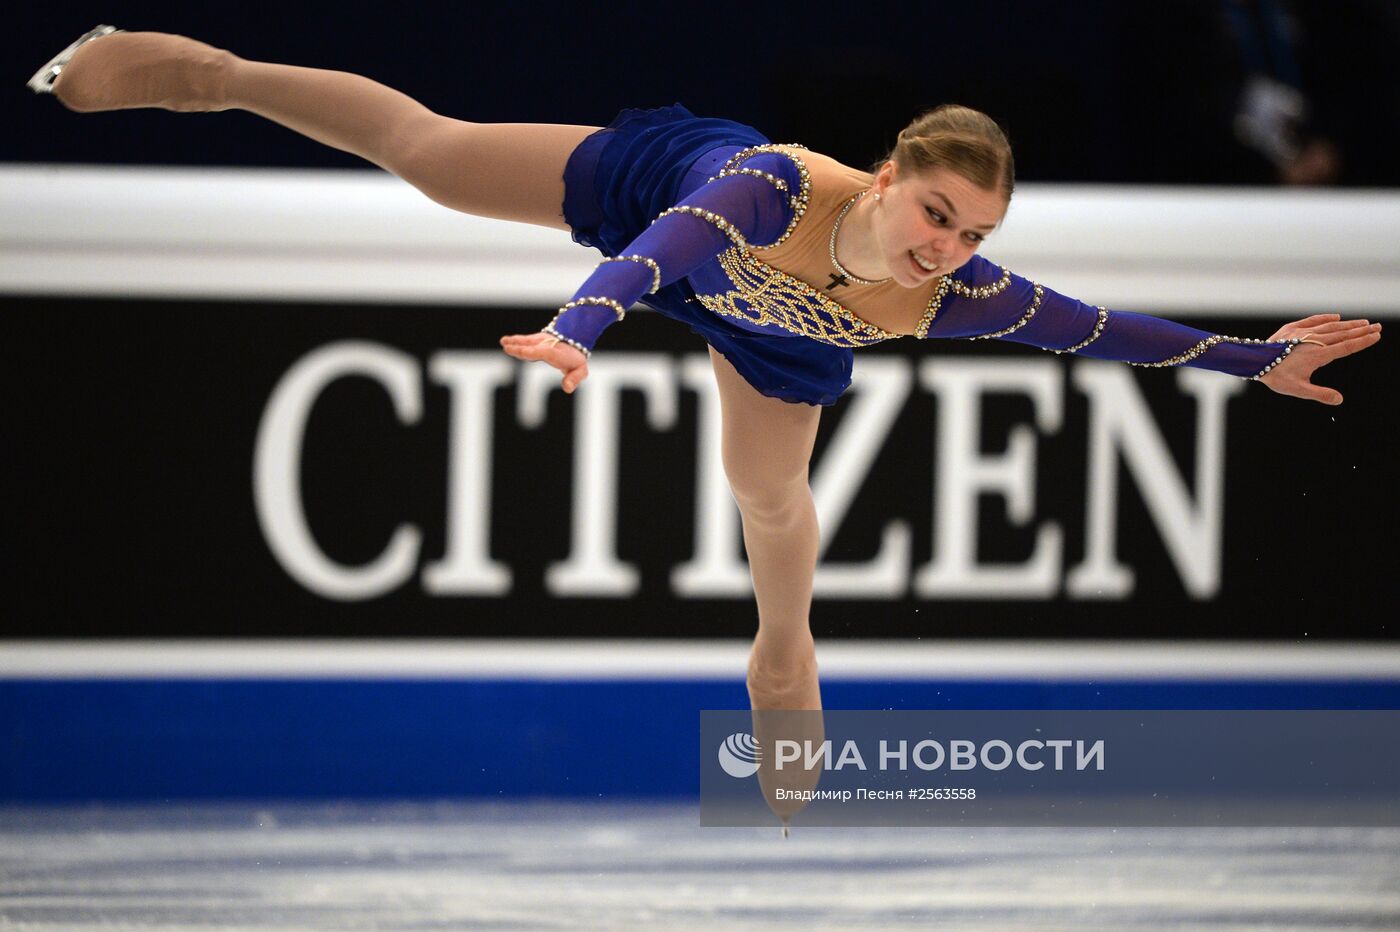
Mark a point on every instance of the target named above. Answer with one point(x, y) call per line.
point(185, 469)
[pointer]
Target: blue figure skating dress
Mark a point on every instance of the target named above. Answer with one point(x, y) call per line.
point(709, 223)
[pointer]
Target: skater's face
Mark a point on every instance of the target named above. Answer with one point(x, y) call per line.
point(937, 216)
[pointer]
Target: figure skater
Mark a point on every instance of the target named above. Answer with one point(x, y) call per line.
point(782, 259)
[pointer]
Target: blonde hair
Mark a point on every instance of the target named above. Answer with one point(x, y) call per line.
point(960, 139)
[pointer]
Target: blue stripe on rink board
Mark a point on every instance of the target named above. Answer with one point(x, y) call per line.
point(65, 740)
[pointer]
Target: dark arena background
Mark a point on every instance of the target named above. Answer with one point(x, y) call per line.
point(301, 564)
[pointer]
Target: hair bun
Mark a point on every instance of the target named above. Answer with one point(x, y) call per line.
point(960, 139)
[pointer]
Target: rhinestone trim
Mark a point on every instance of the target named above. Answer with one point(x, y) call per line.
point(1097, 332)
point(982, 291)
point(1025, 318)
point(935, 304)
point(948, 283)
point(727, 228)
point(799, 202)
point(601, 302)
point(774, 180)
point(648, 261)
point(1215, 340)
point(549, 329)
point(831, 248)
point(1288, 348)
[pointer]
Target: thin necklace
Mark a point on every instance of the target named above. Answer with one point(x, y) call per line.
point(844, 278)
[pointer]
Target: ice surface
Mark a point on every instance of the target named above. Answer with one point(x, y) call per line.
point(620, 866)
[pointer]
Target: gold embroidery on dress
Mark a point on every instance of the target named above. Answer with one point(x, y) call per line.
point(769, 296)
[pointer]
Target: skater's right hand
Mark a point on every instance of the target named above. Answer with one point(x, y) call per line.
point(545, 348)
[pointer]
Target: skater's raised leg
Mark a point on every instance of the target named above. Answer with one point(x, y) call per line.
point(509, 171)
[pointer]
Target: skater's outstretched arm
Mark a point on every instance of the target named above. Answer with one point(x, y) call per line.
point(984, 301)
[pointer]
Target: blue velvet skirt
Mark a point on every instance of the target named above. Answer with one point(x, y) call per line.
point(616, 183)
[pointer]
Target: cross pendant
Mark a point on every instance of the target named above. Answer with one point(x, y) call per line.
point(837, 280)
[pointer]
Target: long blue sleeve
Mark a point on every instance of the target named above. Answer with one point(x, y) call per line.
point(984, 301)
point(751, 205)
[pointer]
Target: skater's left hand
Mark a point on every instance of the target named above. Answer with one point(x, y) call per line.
point(1328, 338)
point(544, 348)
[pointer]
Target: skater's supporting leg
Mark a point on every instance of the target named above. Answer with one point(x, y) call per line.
point(767, 444)
point(509, 171)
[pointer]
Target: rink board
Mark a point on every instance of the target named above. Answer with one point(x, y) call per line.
point(518, 722)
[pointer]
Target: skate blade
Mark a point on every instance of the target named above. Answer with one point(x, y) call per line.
point(42, 82)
